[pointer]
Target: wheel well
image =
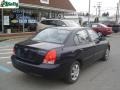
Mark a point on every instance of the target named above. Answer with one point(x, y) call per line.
point(80, 61)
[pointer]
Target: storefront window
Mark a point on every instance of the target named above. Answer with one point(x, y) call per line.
point(26, 20)
point(45, 14)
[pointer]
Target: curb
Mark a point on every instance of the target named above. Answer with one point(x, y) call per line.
point(3, 40)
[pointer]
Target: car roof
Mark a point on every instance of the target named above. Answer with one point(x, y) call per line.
point(56, 19)
point(70, 28)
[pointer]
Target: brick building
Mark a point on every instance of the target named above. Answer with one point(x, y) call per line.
point(30, 12)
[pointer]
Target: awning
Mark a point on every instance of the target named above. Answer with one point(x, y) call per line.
point(44, 7)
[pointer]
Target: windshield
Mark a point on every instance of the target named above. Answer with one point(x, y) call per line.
point(52, 35)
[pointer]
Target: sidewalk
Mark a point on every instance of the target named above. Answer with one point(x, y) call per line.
point(16, 34)
point(4, 37)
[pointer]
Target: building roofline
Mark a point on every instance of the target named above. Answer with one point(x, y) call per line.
point(44, 7)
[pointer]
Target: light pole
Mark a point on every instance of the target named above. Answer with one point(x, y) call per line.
point(89, 12)
point(99, 9)
point(118, 11)
point(96, 9)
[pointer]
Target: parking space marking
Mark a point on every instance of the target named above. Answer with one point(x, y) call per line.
point(9, 62)
point(5, 47)
point(5, 53)
point(4, 69)
point(5, 57)
point(5, 50)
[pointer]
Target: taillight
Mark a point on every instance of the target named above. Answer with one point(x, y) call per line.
point(50, 57)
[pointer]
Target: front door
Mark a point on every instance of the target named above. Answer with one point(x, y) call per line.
point(85, 47)
point(99, 46)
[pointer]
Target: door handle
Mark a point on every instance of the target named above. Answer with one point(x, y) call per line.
point(81, 49)
point(94, 45)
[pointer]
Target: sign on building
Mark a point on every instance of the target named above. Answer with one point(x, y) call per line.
point(9, 3)
point(44, 1)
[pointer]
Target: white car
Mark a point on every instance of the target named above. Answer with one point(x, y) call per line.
point(56, 23)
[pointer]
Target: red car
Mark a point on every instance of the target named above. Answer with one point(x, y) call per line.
point(103, 29)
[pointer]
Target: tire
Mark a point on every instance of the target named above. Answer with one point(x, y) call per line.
point(72, 75)
point(106, 55)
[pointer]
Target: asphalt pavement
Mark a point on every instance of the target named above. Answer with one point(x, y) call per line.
point(99, 76)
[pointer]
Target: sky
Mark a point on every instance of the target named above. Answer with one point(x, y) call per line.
point(106, 5)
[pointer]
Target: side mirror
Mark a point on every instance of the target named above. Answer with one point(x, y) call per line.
point(100, 34)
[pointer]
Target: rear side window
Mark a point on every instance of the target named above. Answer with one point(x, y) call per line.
point(45, 22)
point(82, 37)
point(49, 22)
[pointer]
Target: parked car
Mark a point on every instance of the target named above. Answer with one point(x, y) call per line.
point(115, 26)
point(101, 28)
point(56, 23)
point(86, 24)
point(60, 52)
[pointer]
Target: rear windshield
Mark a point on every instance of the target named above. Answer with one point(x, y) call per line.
point(52, 35)
point(71, 23)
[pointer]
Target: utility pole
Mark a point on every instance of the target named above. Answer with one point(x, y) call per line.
point(96, 10)
point(117, 13)
point(99, 9)
point(89, 12)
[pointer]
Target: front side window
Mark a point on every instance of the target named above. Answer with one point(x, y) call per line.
point(52, 35)
point(82, 37)
point(93, 35)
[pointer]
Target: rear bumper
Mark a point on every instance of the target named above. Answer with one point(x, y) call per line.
point(55, 70)
point(108, 32)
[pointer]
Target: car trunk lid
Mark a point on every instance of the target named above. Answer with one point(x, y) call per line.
point(34, 53)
